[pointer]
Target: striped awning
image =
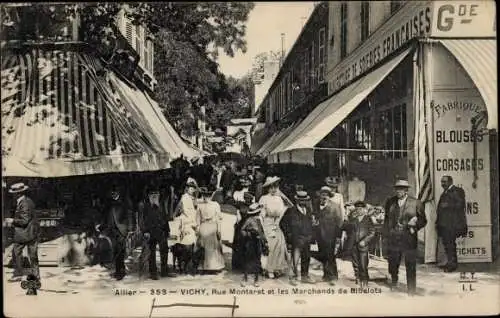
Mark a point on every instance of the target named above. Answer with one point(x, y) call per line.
point(479, 59)
point(149, 113)
point(59, 118)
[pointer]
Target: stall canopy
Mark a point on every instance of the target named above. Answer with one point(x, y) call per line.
point(479, 59)
point(327, 115)
point(60, 118)
point(148, 112)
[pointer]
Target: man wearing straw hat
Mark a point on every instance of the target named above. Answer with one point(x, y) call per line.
point(26, 231)
point(403, 220)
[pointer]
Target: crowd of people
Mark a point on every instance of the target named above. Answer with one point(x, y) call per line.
point(273, 234)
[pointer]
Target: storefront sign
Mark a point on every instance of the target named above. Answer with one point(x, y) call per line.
point(464, 19)
point(454, 141)
point(476, 246)
point(413, 20)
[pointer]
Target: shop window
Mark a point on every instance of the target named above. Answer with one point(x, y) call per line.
point(361, 136)
point(365, 20)
point(343, 30)
point(322, 55)
point(312, 66)
point(392, 123)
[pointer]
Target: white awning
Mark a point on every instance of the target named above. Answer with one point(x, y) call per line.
point(479, 59)
point(327, 115)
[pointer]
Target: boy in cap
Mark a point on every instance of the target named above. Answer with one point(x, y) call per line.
point(254, 244)
point(360, 231)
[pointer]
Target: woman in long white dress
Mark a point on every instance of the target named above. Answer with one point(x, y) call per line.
point(209, 219)
point(273, 208)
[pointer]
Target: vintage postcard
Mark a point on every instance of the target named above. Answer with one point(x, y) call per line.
point(249, 159)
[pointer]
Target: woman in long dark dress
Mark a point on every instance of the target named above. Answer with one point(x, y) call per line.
point(242, 206)
point(254, 244)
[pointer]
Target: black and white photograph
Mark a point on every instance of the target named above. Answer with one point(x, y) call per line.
point(249, 159)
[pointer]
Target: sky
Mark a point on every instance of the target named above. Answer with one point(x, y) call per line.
point(265, 24)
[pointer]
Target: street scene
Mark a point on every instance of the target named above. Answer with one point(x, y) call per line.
point(241, 159)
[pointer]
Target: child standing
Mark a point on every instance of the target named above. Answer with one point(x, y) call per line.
point(360, 231)
point(254, 244)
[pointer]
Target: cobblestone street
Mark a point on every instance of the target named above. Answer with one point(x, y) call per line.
point(93, 286)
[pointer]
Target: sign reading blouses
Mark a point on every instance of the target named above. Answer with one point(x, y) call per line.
point(454, 155)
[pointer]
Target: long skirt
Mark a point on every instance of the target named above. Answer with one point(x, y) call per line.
point(277, 259)
point(212, 246)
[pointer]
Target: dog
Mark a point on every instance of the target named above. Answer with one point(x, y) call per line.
point(186, 260)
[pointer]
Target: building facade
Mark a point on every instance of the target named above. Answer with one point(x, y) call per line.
point(411, 94)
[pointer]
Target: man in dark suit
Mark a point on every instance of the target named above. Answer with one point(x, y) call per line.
point(26, 230)
point(228, 180)
point(296, 225)
point(118, 224)
point(451, 220)
point(329, 216)
point(403, 220)
point(153, 222)
point(360, 231)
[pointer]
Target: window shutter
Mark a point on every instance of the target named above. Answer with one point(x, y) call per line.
point(129, 32)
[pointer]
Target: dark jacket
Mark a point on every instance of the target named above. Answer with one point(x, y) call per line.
point(358, 231)
point(330, 222)
point(396, 229)
point(296, 226)
point(227, 179)
point(26, 224)
point(451, 211)
point(153, 220)
point(119, 220)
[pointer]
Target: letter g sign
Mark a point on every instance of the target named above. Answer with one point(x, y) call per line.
point(445, 23)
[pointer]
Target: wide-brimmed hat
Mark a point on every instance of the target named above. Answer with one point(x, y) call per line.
point(18, 188)
point(332, 181)
point(254, 208)
point(270, 181)
point(326, 189)
point(401, 184)
point(302, 196)
point(191, 183)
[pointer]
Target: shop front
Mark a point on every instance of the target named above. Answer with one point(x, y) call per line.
point(417, 106)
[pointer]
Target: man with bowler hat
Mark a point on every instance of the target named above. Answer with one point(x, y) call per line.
point(26, 230)
point(403, 220)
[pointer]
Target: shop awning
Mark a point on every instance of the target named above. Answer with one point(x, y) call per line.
point(479, 59)
point(277, 141)
point(148, 112)
point(327, 115)
point(266, 145)
point(59, 119)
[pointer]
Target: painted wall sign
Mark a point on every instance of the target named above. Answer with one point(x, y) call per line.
point(454, 140)
point(464, 19)
point(413, 20)
point(476, 247)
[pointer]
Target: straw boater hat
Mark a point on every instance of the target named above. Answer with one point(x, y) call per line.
point(302, 196)
point(401, 184)
point(326, 189)
point(331, 181)
point(254, 208)
point(271, 181)
point(18, 188)
point(359, 204)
